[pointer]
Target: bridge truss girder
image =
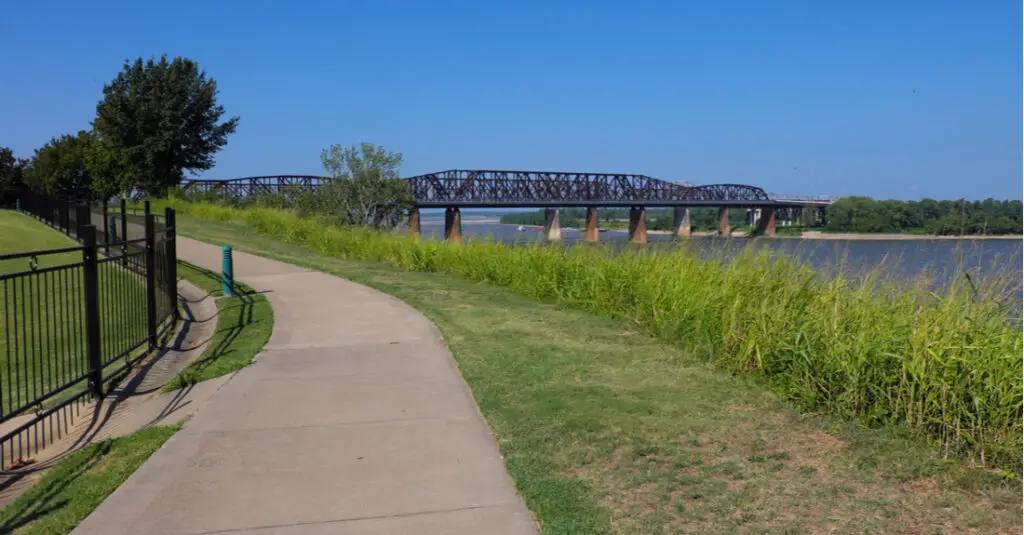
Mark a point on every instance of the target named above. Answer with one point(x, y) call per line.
point(490, 188)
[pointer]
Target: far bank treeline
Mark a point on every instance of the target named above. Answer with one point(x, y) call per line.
point(850, 214)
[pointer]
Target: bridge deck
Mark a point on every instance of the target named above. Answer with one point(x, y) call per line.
point(517, 189)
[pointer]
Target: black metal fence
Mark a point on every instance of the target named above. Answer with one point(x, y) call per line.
point(75, 318)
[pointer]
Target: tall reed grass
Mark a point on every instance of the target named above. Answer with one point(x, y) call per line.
point(947, 365)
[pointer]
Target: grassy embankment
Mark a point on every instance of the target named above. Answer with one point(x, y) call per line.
point(20, 233)
point(606, 429)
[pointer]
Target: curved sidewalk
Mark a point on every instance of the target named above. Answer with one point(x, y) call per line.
point(354, 419)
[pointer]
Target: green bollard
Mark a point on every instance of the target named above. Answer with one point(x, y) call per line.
point(228, 272)
point(17, 205)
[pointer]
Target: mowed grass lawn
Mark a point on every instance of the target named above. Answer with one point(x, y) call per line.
point(606, 430)
point(20, 233)
point(42, 330)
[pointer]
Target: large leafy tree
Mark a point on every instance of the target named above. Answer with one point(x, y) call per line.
point(59, 168)
point(11, 175)
point(366, 188)
point(77, 167)
point(162, 119)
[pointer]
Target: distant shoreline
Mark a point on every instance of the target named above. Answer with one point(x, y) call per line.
point(807, 234)
point(818, 235)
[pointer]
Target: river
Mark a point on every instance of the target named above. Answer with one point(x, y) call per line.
point(940, 259)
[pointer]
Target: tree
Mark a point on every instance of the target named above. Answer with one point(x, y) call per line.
point(161, 120)
point(78, 167)
point(11, 176)
point(109, 175)
point(59, 167)
point(366, 188)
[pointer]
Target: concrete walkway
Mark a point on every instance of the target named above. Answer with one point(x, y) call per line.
point(353, 420)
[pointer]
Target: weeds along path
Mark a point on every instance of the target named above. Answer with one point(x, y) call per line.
point(607, 430)
point(353, 418)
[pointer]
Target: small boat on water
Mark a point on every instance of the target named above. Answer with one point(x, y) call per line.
point(521, 228)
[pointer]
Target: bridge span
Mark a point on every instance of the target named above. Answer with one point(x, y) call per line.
point(460, 188)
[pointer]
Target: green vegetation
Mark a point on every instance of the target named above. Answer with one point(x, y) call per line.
point(863, 214)
point(12, 176)
point(80, 482)
point(244, 324)
point(158, 119)
point(877, 351)
point(74, 167)
point(607, 430)
point(364, 189)
point(20, 233)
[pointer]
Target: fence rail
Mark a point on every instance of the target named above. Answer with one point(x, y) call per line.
point(76, 317)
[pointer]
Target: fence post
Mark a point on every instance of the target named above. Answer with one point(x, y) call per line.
point(90, 276)
point(146, 206)
point(65, 217)
point(106, 230)
point(151, 279)
point(124, 233)
point(171, 252)
point(82, 218)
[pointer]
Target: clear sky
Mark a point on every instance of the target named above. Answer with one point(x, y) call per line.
point(894, 99)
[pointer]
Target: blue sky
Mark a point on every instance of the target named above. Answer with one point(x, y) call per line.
point(888, 99)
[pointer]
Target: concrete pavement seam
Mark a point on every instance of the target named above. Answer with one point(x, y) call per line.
point(338, 424)
point(358, 519)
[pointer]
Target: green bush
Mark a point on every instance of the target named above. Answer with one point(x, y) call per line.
point(947, 366)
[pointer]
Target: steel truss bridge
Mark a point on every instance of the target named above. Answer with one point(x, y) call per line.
point(492, 189)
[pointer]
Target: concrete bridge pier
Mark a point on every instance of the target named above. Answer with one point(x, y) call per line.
point(796, 215)
point(414, 223)
point(681, 222)
point(723, 222)
point(552, 227)
point(453, 225)
point(637, 225)
point(766, 225)
point(592, 233)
